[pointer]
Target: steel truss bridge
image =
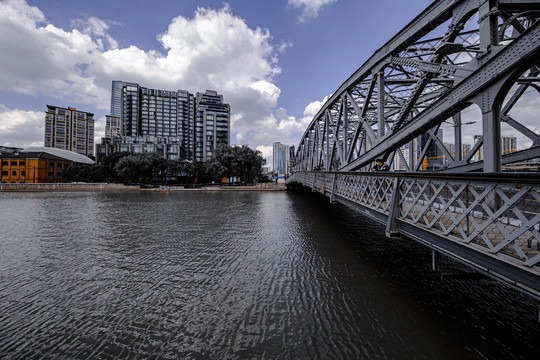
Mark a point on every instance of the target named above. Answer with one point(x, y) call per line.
point(454, 56)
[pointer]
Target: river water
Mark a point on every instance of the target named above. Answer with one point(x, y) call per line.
point(235, 275)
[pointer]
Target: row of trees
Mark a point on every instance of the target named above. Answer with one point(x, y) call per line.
point(226, 161)
point(240, 161)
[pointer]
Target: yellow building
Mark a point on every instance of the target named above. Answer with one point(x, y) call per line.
point(38, 165)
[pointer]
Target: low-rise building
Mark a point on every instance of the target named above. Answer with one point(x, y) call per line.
point(37, 165)
point(169, 148)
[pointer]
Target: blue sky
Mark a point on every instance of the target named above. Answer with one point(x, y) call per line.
point(274, 61)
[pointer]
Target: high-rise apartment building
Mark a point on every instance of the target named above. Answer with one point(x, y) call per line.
point(113, 126)
point(292, 159)
point(211, 124)
point(196, 123)
point(479, 155)
point(186, 114)
point(509, 144)
point(116, 97)
point(465, 150)
point(69, 129)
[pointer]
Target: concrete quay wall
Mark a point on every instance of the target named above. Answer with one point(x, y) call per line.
point(261, 186)
point(66, 187)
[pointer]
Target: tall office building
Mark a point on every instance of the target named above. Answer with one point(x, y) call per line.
point(69, 129)
point(280, 159)
point(197, 124)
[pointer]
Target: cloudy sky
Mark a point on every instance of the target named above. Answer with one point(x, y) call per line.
point(274, 61)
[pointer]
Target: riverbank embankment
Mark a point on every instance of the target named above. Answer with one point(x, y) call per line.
point(122, 187)
point(257, 187)
point(67, 187)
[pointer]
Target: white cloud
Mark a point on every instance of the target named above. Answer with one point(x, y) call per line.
point(279, 126)
point(266, 151)
point(20, 128)
point(39, 58)
point(212, 50)
point(98, 29)
point(310, 8)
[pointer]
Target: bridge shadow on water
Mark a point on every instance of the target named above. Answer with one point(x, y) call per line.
point(459, 312)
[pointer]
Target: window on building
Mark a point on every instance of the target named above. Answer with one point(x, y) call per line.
point(13, 162)
point(23, 173)
point(5, 173)
point(5, 163)
point(22, 163)
point(14, 173)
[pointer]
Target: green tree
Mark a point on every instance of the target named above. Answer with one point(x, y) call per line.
point(241, 161)
point(109, 163)
point(141, 167)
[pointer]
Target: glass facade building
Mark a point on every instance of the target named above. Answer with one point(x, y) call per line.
point(280, 159)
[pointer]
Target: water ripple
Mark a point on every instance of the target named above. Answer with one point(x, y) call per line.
point(229, 275)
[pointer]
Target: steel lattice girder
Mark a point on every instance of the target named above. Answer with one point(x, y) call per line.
point(489, 222)
point(421, 78)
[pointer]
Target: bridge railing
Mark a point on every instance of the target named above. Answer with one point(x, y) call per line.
point(498, 215)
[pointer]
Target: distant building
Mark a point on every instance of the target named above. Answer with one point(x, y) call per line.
point(509, 144)
point(38, 165)
point(167, 147)
point(69, 129)
point(402, 164)
point(9, 149)
point(113, 126)
point(433, 159)
point(451, 147)
point(195, 123)
point(465, 150)
point(479, 155)
point(292, 159)
point(280, 159)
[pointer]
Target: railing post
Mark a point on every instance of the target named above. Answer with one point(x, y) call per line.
point(332, 196)
point(392, 227)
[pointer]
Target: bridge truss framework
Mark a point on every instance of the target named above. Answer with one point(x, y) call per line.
point(454, 55)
